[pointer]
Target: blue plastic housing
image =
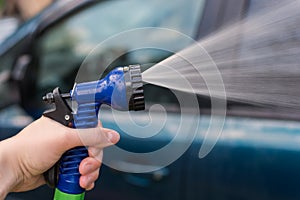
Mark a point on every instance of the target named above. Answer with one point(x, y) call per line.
point(89, 96)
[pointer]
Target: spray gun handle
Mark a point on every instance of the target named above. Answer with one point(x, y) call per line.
point(64, 175)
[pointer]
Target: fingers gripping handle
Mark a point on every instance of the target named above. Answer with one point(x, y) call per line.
point(68, 176)
point(65, 174)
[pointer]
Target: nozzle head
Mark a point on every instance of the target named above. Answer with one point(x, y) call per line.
point(134, 87)
point(121, 88)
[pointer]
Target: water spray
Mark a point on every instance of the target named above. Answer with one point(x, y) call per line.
point(122, 89)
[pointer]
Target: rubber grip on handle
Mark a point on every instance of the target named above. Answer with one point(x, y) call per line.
point(68, 180)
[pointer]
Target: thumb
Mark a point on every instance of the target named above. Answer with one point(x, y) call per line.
point(97, 137)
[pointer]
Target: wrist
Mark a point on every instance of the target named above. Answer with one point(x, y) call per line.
point(8, 178)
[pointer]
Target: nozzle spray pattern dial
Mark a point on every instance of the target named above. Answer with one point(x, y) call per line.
point(134, 87)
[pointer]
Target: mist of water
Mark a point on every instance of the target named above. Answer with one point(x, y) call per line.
point(256, 60)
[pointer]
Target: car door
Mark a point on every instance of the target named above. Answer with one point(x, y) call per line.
point(257, 155)
point(253, 159)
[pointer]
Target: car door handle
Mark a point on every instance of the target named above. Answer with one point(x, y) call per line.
point(141, 179)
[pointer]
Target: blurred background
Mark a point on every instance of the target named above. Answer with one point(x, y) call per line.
point(44, 43)
point(15, 12)
point(23, 10)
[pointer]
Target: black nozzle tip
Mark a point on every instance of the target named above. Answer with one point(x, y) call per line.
point(134, 87)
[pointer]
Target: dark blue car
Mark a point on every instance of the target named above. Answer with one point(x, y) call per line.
point(257, 155)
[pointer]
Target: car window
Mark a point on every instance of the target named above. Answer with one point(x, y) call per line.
point(62, 48)
point(273, 49)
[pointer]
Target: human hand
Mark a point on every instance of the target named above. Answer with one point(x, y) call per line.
point(25, 157)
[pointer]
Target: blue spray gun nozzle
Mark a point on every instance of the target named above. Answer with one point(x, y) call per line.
point(122, 89)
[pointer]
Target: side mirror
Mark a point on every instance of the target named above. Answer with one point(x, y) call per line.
point(24, 78)
point(20, 67)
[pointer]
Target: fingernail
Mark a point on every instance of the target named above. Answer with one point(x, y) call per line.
point(111, 136)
